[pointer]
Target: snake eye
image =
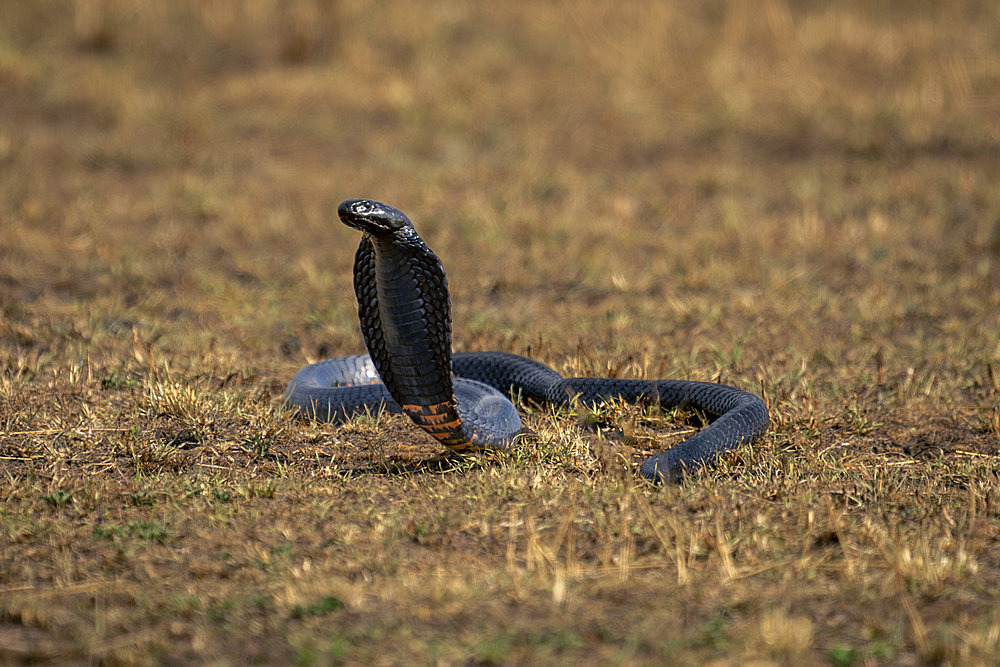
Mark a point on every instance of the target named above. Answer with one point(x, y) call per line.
point(371, 216)
point(363, 207)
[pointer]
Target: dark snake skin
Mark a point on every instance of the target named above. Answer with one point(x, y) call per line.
point(461, 399)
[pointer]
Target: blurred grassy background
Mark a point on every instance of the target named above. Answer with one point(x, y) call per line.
point(797, 197)
point(667, 153)
point(802, 186)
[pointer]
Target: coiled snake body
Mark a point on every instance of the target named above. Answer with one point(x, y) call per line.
point(461, 399)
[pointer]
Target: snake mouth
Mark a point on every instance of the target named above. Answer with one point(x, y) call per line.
point(371, 217)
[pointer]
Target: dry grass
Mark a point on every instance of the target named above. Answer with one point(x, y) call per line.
point(797, 198)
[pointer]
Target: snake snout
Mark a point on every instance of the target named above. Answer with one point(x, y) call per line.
point(371, 216)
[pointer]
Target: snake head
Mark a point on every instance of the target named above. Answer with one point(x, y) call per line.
point(372, 217)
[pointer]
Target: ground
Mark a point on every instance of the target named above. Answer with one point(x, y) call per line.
point(800, 199)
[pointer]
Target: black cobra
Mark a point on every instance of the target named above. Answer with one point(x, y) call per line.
point(461, 399)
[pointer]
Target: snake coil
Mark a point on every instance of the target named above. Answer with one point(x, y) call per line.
point(461, 399)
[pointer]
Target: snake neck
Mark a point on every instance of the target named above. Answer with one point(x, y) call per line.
point(405, 314)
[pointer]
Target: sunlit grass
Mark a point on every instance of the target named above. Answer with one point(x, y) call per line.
point(795, 199)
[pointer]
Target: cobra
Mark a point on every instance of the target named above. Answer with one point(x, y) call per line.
point(462, 399)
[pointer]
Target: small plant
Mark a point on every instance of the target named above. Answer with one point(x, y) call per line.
point(141, 499)
point(220, 611)
point(282, 551)
point(115, 381)
point(221, 495)
point(58, 498)
point(325, 605)
point(844, 656)
point(150, 530)
point(265, 490)
point(140, 530)
point(258, 445)
point(493, 650)
point(108, 532)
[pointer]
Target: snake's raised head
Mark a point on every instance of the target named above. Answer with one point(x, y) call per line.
point(372, 217)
